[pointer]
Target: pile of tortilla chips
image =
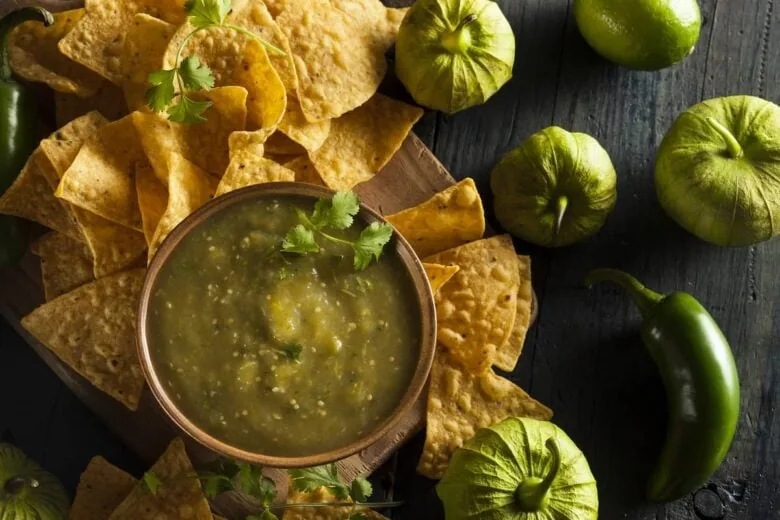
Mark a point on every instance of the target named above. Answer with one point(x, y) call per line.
point(105, 492)
point(116, 178)
point(483, 301)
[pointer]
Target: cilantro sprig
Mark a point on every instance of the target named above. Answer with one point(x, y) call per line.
point(229, 475)
point(189, 74)
point(337, 213)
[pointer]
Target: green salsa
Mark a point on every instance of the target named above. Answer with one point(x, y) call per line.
point(283, 354)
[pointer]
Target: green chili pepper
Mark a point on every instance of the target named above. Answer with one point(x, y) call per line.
point(702, 385)
point(18, 121)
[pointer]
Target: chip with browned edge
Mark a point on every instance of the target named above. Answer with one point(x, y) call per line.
point(113, 247)
point(108, 100)
point(476, 309)
point(101, 489)
point(65, 264)
point(205, 145)
point(101, 178)
point(239, 60)
point(92, 329)
point(361, 142)
point(189, 188)
point(145, 43)
point(339, 50)
point(460, 403)
point(34, 56)
point(31, 197)
point(97, 40)
point(448, 219)
point(439, 274)
point(178, 496)
point(321, 495)
point(508, 354)
point(247, 169)
point(152, 199)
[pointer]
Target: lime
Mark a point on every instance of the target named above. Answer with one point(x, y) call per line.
point(640, 34)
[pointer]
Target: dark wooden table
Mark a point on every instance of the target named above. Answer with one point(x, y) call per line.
point(583, 357)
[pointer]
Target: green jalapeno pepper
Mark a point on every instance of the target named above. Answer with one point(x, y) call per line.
point(18, 120)
point(701, 381)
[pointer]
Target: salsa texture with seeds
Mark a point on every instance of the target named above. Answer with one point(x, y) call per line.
point(283, 354)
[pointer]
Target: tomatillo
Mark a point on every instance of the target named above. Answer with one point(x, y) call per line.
point(555, 189)
point(717, 172)
point(454, 54)
point(27, 490)
point(519, 469)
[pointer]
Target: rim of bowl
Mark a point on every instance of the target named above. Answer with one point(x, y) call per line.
point(409, 260)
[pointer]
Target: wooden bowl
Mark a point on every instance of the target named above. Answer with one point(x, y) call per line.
point(401, 248)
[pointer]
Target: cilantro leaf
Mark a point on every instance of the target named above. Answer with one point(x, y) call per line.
point(292, 351)
point(309, 479)
point(338, 213)
point(252, 482)
point(161, 94)
point(152, 482)
point(194, 75)
point(214, 484)
point(204, 13)
point(300, 240)
point(361, 489)
point(370, 243)
point(188, 111)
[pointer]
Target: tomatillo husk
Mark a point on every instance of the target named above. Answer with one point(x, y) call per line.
point(555, 189)
point(454, 54)
point(717, 173)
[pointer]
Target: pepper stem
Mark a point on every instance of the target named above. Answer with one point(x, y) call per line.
point(561, 204)
point(532, 493)
point(644, 298)
point(9, 23)
point(733, 146)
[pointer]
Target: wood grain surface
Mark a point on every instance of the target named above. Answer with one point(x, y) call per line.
point(584, 357)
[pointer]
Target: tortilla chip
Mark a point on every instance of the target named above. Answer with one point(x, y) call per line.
point(152, 199)
point(476, 309)
point(113, 247)
point(239, 60)
point(145, 43)
point(34, 56)
point(254, 15)
point(205, 145)
point(280, 144)
point(101, 489)
point(508, 354)
point(92, 329)
point(31, 197)
point(98, 39)
point(439, 274)
point(249, 141)
point(189, 188)
point(179, 495)
point(101, 178)
point(448, 219)
point(65, 264)
point(339, 52)
point(361, 142)
point(294, 125)
point(460, 403)
point(304, 171)
point(322, 495)
point(247, 169)
point(108, 100)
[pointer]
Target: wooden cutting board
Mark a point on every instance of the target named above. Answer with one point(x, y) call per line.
point(411, 177)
